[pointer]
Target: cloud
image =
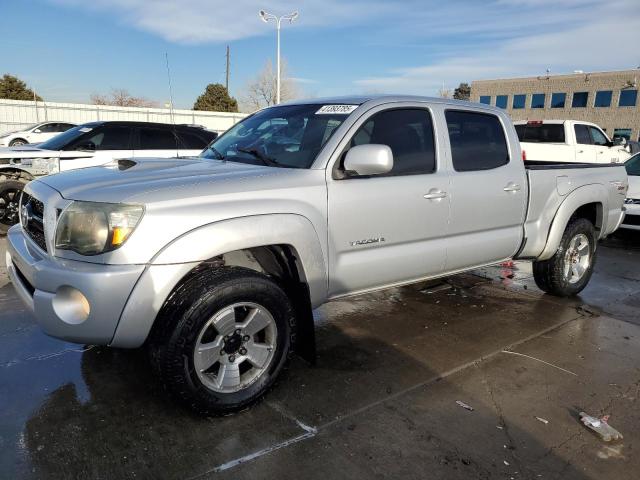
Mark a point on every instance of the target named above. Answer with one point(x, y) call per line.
point(519, 38)
point(203, 21)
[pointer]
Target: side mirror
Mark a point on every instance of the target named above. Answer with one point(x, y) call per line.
point(370, 159)
point(618, 141)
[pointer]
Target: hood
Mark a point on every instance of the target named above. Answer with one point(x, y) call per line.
point(634, 187)
point(157, 179)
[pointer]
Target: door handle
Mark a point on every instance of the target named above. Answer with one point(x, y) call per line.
point(435, 194)
point(580, 151)
point(512, 187)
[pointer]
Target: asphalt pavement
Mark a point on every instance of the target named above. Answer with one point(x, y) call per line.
point(381, 401)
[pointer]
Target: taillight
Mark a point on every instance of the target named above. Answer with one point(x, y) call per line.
point(524, 156)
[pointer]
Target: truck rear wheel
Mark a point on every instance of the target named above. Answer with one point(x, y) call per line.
point(222, 339)
point(570, 269)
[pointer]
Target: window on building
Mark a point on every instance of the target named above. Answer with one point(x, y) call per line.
point(628, 98)
point(501, 101)
point(622, 133)
point(519, 101)
point(537, 100)
point(477, 141)
point(558, 100)
point(486, 99)
point(580, 99)
point(603, 98)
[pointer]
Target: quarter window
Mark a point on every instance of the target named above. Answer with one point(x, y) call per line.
point(603, 98)
point(501, 101)
point(558, 100)
point(519, 101)
point(580, 99)
point(582, 134)
point(477, 141)
point(628, 98)
point(486, 99)
point(537, 100)
point(409, 134)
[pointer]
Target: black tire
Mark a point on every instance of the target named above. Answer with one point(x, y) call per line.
point(16, 142)
point(549, 274)
point(185, 314)
point(10, 191)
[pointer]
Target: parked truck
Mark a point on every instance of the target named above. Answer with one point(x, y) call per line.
point(568, 141)
point(215, 264)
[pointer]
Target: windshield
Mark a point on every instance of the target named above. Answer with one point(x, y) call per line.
point(541, 132)
point(288, 136)
point(60, 141)
point(633, 165)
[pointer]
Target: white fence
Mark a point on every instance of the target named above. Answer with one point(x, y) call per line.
point(16, 114)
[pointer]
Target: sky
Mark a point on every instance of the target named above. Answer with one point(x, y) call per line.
point(69, 49)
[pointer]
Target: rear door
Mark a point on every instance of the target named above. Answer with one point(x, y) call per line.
point(488, 191)
point(585, 150)
point(388, 229)
point(156, 141)
point(98, 146)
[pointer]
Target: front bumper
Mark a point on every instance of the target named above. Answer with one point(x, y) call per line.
point(75, 301)
point(632, 218)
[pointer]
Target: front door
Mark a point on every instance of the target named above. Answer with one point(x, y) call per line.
point(390, 228)
point(489, 191)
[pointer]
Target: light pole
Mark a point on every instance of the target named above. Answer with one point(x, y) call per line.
point(265, 18)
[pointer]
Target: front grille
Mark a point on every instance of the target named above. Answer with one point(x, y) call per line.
point(631, 220)
point(35, 223)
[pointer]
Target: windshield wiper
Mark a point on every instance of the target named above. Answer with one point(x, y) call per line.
point(218, 154)
point(270, 162)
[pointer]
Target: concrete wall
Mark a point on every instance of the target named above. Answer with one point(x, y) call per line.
point(15, 114)
point(608, 118)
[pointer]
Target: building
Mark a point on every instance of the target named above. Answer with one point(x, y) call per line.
point(609, 99)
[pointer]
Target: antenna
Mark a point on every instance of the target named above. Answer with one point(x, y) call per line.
point(166, 57)
point(228, 66)
point(175, 134)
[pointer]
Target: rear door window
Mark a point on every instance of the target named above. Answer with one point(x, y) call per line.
point(582, 134)
point(155, 138)
point(477, 141)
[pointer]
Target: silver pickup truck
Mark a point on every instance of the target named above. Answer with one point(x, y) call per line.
point(215, 263)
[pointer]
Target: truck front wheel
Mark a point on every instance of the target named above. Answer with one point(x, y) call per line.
point(569, 270)
point(222, 339)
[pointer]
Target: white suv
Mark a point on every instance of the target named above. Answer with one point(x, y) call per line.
point(40, 132)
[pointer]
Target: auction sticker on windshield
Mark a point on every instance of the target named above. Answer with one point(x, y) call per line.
point(339, 109)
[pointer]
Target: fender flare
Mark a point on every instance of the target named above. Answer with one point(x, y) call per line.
point(594, 193)
point(184, 253)
point(19, 172)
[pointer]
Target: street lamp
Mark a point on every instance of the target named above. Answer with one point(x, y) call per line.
point(265, 18)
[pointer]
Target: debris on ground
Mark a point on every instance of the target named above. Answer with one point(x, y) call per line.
point(600, 426)
point(436, 288)
point(464, 405)
point(587, 311)
point(543, 420)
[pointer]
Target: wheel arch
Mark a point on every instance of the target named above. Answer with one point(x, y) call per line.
point(284, 247)
point(14, 173)
point(578, 204)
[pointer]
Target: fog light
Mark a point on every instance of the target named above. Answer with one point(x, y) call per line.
point(70, 305)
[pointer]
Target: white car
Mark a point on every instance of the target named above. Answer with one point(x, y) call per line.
point(40, 132)
point(567, 141)
point(89, 145)
point(632, 202)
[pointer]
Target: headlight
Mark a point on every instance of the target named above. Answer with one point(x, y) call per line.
point(91, 228)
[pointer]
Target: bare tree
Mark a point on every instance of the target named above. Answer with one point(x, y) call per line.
point(260, 92)
point(444, 92)
point(120, 97)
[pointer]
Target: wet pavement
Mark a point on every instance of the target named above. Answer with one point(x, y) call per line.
point(381, 401)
